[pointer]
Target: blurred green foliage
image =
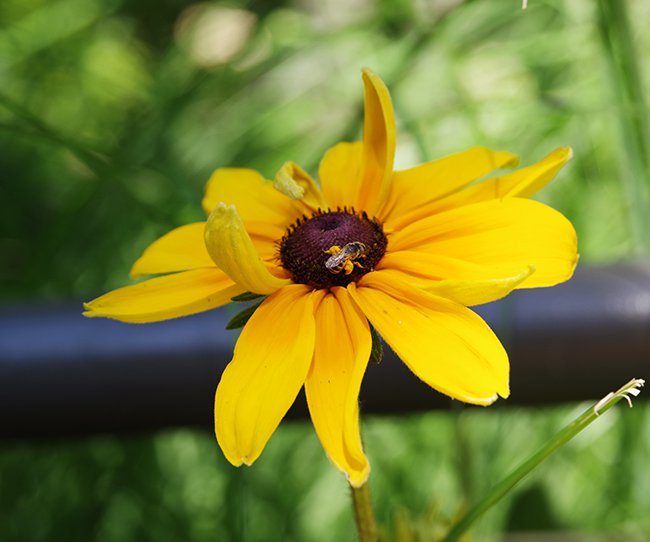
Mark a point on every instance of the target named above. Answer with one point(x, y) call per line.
point(113, 115)
point(177, 486)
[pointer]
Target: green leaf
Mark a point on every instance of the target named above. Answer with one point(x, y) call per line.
point(377, 349)
point(240, 319)
point(246, 296)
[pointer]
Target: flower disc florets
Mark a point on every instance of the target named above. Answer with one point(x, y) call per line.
point(332, 248)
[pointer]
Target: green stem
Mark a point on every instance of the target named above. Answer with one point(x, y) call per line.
point(559, 440)
point(363, 514)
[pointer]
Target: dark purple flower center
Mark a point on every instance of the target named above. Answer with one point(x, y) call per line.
point(332, 248)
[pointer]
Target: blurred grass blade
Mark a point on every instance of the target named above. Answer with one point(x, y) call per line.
point(35, 127)
point(559, 440)
point(631, 110)
point(46, 26)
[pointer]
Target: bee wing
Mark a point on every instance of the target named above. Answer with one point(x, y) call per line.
point(335, 260)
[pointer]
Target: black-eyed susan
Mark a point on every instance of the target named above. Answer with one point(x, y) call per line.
point(407, 251)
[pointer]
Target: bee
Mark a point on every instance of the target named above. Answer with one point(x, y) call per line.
point(344, 259)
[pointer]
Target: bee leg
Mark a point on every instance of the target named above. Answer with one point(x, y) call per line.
point(348, 266)
point(334, 249)
point(357, 264)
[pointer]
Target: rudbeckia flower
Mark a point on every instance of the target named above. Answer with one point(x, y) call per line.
point(404, 251)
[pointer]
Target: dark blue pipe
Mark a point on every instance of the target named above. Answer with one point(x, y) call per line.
point(62, 374)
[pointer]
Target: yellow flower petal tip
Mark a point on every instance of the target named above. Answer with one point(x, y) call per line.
point(165, 297)
point(355, 469)
point(93, 310)
point(378, 145)
point(270, 364)
point(481, 401)
point(559, 156)
point(295, 183)
point(504, 159)
point(369, 74)
point(222, 215)
point(137, 272)
point(373, 82)
point(231, 248)
point(520, 278)
point(503, 392)
point(242, 461)
point(357, 479)
point(285, 183)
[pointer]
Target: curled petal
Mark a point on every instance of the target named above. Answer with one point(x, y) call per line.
point(179, 250)
point(332, 387)
point(445, 344)
point(269, 366)
point(295, 183)
point(170, 296)
point(231, 248)
point(378, 145)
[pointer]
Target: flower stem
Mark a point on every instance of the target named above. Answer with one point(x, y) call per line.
point(363, 514)
point(556, 442)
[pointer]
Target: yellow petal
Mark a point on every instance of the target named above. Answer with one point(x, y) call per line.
point(506, 235)
point(522, 183)
point(295, 183)
point(413, 189)
point(181, 249)
point(255, 198)
point(464, 282)
point(231, 248)
point(270, 363)
point(378, 145)
point(332, 387)
point(170, 296)
point(340, 174)
point(445, 344)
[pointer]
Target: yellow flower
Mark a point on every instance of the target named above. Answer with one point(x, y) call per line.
point(406, 250)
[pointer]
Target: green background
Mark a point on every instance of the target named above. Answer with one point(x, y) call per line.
point(113, 114)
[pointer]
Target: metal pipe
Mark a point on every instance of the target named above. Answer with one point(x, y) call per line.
point(62, 374)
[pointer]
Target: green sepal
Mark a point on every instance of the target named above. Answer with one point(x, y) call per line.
point(246, 296)
point(377, 349)
point(240, 319)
